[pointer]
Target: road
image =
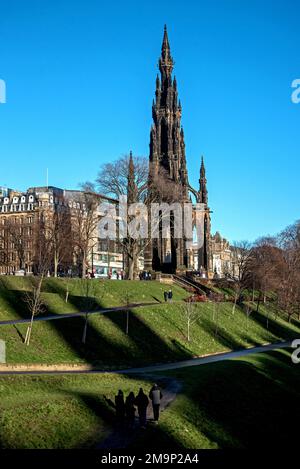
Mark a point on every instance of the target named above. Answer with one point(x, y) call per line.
point(157, 368)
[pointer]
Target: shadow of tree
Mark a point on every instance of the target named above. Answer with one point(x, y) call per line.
point(274, 327)
point(154, 347)
point(144, 345)
point(222, 337)
point(241, 405)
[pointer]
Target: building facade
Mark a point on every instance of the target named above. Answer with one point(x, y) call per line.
point(21, 214)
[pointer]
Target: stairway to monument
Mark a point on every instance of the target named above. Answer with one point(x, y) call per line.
point(189, 284)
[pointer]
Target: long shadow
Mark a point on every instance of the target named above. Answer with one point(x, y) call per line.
point(241, 405)
point(98, 349)
point(222, 336)
point(102, 349)
point(119, 435)
point(145, 339)
point(274, 327)
point(22, 337)
point(16, 299)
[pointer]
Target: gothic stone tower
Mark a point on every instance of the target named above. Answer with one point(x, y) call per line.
point(204, 260)
point(167, 148)
point(167, 155)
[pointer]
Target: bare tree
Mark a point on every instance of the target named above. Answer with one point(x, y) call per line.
point(191, 315)
point(129, 176)
point(87, 289)
point(14, 239)
point(266, 266)
point(60, 231)
point(35, 306)
point(113, 177)
point(240, 275)
point(42, 260)
point(288, 289)
point(85, 218)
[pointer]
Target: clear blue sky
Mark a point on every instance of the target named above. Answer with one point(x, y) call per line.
point(80, 79)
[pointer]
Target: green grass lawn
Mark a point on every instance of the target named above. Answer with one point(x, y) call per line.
point(58, 412)
point(156, 333)
point(247, 402)
point(83, 294)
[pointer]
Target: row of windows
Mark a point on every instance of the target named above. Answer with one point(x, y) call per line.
point(12, 257)
point(17, 220)
point(16, 208)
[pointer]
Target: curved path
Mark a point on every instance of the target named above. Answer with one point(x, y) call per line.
point(5, 370)
point(51, 317)
point(122, 437)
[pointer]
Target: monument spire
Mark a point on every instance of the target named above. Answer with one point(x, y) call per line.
point(203, 181)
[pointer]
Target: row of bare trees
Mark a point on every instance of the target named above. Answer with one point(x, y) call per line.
point(270, 269)
point(133, 178)
point(51, 240)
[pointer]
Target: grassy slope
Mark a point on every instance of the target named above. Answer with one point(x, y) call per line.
point(156, 333)
point(240, 403)
point(245, 403)
point(58, 412)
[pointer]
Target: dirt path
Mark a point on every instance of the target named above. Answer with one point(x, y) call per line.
point(122, 437)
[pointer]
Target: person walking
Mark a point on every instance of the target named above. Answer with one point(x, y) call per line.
point(142, 401)
point(130, 409)
point(166, 296)
point(155, 396)
point(170, 295)
point(120, 407)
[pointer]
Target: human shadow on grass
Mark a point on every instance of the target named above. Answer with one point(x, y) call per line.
point(120, 436)
point(241, 405)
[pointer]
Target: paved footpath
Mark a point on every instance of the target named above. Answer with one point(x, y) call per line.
point(52, 317)
point(63, 369)
point(123, 437)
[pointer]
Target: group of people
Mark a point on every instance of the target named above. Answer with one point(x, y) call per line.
point(168, 295)
point(125, 408)
point(145, 275)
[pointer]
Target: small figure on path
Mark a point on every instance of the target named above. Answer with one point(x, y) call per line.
point(155, 396)
point(170, 295)
point(166, 295)
point(142, 401)
point(130, 409)
point(120, 407)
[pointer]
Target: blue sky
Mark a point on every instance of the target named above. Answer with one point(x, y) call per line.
point(80, 79)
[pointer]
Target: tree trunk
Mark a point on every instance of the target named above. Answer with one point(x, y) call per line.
point(55, 264)
point(258, 302)
point(127, 321)
point(67, 294)
point(85, 329)
point(130, 269)
point(234, 304)
point(83, 266)
point(28, 332)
